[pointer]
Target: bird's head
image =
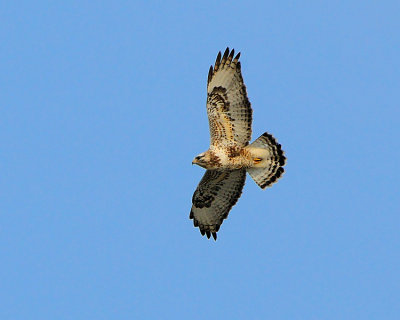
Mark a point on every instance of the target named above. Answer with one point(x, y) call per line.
point(201, 160)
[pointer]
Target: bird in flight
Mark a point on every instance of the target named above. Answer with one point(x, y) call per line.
point(230, 155)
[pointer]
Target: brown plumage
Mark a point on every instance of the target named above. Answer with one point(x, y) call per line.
point(230, 155)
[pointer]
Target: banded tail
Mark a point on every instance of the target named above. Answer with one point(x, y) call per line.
point(269, 161)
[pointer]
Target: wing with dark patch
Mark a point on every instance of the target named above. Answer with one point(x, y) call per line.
point(228, 108)
point(214, 197)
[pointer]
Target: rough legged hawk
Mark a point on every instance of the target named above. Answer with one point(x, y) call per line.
point(230, 156)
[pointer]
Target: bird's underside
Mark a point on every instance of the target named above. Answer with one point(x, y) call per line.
point(230, 156)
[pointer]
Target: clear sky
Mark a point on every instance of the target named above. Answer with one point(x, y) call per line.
point(102, 109)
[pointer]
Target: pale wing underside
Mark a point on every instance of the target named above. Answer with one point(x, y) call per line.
point(214, 197)
point(228, 108)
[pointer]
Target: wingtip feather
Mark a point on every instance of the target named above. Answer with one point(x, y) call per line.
point(236, 58)
point(210, 74)
point(217, 61)
point(225, 56)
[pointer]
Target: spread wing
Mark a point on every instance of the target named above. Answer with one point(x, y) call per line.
point(228, 108)
point(214, 197)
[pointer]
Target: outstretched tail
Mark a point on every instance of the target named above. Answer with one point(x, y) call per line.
point(268, 160)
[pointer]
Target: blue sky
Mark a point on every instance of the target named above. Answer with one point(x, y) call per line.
point(103, 109)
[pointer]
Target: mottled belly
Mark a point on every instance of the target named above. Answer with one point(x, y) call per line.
point(234, 157)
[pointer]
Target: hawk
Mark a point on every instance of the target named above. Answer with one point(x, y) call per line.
point(230, 155)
